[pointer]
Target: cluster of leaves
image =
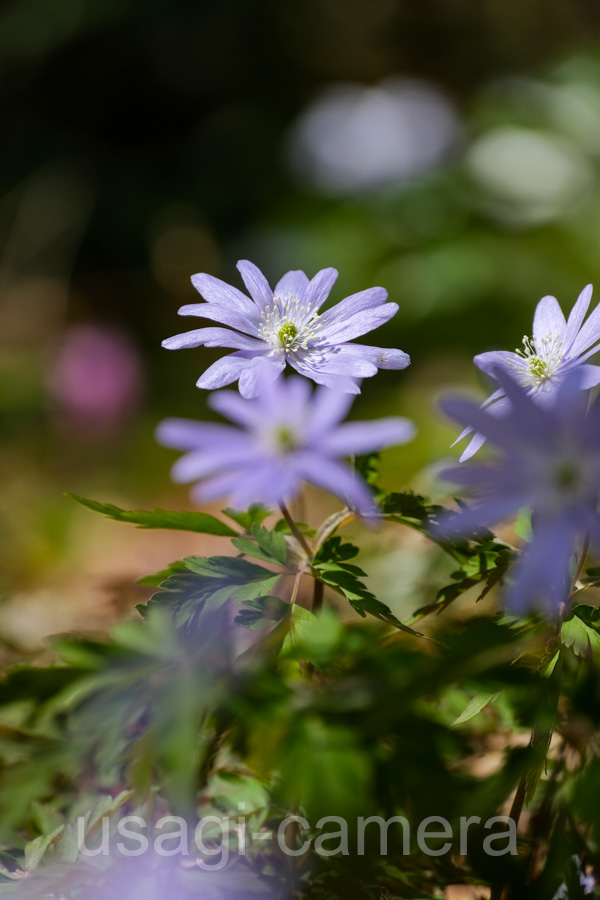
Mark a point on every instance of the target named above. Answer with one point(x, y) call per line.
point(318, 715)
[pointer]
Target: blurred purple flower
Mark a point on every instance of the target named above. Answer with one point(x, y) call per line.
point(550, 464)
point(275, 327)
point(557, 347)
point(96, 379)
point(287, 436)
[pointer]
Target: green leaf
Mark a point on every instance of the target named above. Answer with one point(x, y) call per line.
point(282, 527)
point(271, 543)
point(333, 550)
point(343, 578)
point(255, 515)
point(157, 579)
point(367, 466)
point(487, 563)
point(230, 576)
point(301, 623)
point(208, 583)
point(201, 523)
point(35, 850)
point(240, 796)
point(475, 706)
point(312, 637)
point(581, 630)
point(548, 665)
point(267, 545)
point(262, 612)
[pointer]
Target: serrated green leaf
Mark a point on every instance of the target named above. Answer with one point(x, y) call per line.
point(231, 569)
point(66, 846)
point(157, 579)
point(229, 576)
point(255, 515)
point(262, 612)
point(342, 577)
point(200, 523)
point(271, 542)
point(580, 631)
point(334, 550)
point(35, 850)
point(475, 706)
point(267, 545)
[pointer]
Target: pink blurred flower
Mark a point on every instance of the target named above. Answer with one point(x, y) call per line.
point(96, 379)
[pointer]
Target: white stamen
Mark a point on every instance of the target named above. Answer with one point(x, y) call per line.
point(288, 325)
point(543, 357)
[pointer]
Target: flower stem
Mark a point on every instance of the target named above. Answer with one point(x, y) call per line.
point(579, 567)
point(317, 603)
point(498, 889)
point(294, 529)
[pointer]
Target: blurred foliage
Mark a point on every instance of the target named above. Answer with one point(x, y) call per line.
point(318, 716)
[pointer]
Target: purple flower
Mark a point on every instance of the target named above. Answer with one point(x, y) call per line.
point(557, 347)
point(286, 436)
point(284, 325)
point(550, 464)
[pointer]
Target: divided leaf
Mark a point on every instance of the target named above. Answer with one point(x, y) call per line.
point(264, 544)
point(209, 583)
point(262, 612)
point(255, 515)
point(581, 630)
point(344, 578)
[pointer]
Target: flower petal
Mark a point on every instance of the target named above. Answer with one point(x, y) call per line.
point(256, 283)
point(205, 463)
point(382, 357)
point(576, 317)
point(188, 434)
point(541, 575)
point(340, 360)
point(304, 365)
point(368, 437)
point(475, 518)
point(227, 315)
point(234, 407)
point(260, 370)
point(359, 324)
point(494, 359)
point(548, 318)
point(213, 337)
point(223, 372)
point(216, 291)
point(505, 435)
point(272, 482)
point(327, 409)
point(292, 284)
point(319, 288)
point(353, 304)
point(336, 478)
point(475, 444)
point(590, 375)
point(588, 335)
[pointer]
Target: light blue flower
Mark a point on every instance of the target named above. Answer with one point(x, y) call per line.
point(285, 326)
point(557, 347)
point(283, 437)
point(550, 464)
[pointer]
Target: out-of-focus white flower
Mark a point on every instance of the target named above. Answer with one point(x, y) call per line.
point(354, 138)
